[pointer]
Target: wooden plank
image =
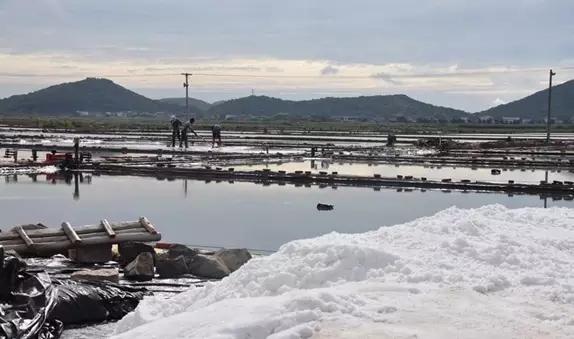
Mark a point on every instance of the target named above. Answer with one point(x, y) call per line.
point(109, 230)
point(147, 225)
point(67, 244)
point(24, 237)
point(18, 241)
point(71, 233)
point(51, 232)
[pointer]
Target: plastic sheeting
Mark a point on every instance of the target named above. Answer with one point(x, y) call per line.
point(32, 306)
point(92, 302)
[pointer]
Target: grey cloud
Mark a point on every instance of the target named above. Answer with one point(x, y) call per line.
point(473, 34)
point(386, 77)
point(373, 31)
point(329, 70)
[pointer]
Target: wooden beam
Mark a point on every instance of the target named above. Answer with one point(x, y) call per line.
point(52, 238)
point(50, 232)
point(147, 225)
point(66, 244)
point(71, 233)
point(109, 230)
point(24, 236)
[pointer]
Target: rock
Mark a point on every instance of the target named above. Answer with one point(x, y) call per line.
point(171, 267)
point(141, 269)
point(108, 274)
point(233, 258)
point(177, 250)
point(130, 250)
point(92, 254)
point(208, 266)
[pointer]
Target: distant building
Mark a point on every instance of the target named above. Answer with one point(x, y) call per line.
point(487, 119)
point(511, 120)
point(554, 121)
point(460, 120)
point(350, 118)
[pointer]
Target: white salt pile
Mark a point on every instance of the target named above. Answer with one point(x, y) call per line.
point(490, 272)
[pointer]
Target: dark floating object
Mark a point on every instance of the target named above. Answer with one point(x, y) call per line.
point(325, 207)
point(495, 171)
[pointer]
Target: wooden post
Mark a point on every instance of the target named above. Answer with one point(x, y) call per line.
point(24, 236)
point(71, 233)
point(147, 225)
point(548, 118)
point(76, 151)
point(109, 230)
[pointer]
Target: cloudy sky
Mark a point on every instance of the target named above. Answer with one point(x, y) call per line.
point(464, 54)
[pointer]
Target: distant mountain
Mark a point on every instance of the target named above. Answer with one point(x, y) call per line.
point(103, 96)
point(196, 103)
point(382, 107)
point(535, 106)
point(90, 95)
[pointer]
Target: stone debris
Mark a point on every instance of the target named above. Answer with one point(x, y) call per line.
point(107, 274)
point(141, 268)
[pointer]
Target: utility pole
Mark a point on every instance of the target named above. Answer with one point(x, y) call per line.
point(186, 85)
point(548, 119)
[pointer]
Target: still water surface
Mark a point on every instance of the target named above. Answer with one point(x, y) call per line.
point(228, 214)
point(529, 176)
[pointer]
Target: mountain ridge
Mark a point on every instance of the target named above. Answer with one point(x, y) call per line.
point(88, 95)
point(535, 106)
point(377, 106)
point(98, 95)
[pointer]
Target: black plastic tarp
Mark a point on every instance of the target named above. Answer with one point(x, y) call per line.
point(33, 306)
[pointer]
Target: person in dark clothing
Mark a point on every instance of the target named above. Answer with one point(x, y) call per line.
point(216, 134)
point(175, 127)
point(187, 128)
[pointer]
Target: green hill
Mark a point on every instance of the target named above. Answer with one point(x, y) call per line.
point(90, 95)
point(194, 104)
point(383, 107)
point(535, 106)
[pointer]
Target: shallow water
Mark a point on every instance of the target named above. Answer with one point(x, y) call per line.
point(225, 214)
point(532, 176)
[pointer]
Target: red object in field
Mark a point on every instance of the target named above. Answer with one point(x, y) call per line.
point(56, 158)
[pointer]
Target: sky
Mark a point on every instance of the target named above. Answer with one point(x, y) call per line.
point(469, 55)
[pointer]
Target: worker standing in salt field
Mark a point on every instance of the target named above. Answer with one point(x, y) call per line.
point(187, 128)
point(175, 127)
point(216, 134)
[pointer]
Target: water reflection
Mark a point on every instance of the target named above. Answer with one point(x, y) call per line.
point(77, 179)
point(431, 172)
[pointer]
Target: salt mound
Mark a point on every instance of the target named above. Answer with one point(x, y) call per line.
point(488, 272)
